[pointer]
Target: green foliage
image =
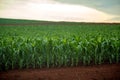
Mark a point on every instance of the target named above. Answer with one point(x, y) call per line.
point(66, 44)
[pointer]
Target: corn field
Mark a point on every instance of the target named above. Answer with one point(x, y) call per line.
point(61, 45)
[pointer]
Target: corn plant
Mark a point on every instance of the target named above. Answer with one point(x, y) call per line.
point(61, 45)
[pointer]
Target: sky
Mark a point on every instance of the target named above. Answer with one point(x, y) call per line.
point(62, 10)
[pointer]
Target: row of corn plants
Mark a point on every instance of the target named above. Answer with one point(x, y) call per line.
point(22, 52)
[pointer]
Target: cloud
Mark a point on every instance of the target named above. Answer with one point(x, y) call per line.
point(108, 6)
point(114, 19)
point(51, 10)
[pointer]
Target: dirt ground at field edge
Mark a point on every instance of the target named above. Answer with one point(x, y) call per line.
point(99, 72)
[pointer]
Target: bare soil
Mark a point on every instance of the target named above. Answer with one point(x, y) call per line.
point(96, 72)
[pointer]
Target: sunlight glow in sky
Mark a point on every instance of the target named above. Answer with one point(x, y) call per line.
point(51, 10)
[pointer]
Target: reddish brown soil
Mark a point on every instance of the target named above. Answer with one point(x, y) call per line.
point(100, 72)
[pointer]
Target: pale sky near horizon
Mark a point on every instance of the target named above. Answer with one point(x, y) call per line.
point(62, 10)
